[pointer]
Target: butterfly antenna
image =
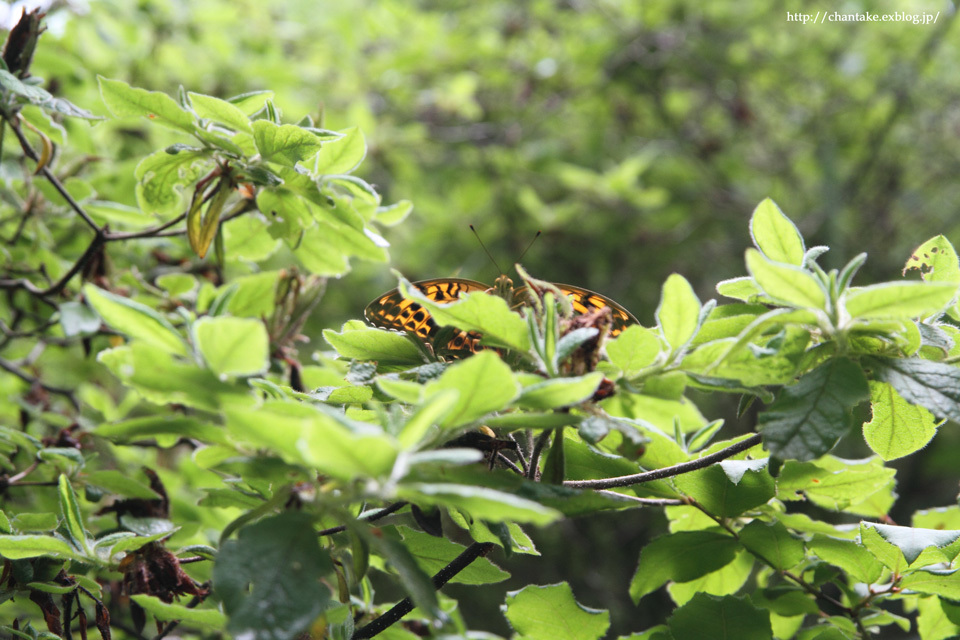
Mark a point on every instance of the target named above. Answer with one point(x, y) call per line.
point(477, 235)
point(528, 246)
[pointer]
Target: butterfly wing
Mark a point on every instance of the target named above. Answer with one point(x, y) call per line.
point(585, 301)
point(393, 311)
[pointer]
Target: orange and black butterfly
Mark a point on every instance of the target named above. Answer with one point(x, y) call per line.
point(393, 311)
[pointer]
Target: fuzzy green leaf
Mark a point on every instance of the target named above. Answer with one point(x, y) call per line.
point(708, 617)
point(775, 234)
point(899, 299)
point(679, 311)
point(785, 283)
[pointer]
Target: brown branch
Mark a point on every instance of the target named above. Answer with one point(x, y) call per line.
point(666, 472)
point(405, 606)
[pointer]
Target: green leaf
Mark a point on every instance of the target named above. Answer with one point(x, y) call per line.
point(417, 583)
point(485, 384)
point(233, 346)
point(31, 546)
point(723, 582)
point(936, 259)
point(72, 518)
point(134, 319)
point(811, 416)
point(913, 540)
point(428, 414)
point(713, 488)
point(162, 177)
point(853, 558)
point(481, 502)
point(559, 392)
point(946, 585)
point(284, 144)
point(167, 429)
point(78, 319)
point(833, 483)
point(681, 557)
point(46, 521)
point(248, 238)
point(123, 100)
point(551, 612)
point(776, 235)
point(933, 621)
point(342, 155)
point(394, 214)
point(165, 612)
point(433, 554)
point(933, 385)
point(252, 101)
point(314, 437)
point(634, 349)
point(899, 299)
point(897, 428)
point(772, 542)
point(708, 617)
point(373, 344)
point(221, 111)
point(479, 311)
point(271, 578)
point(121, 484)
point(743, 288)
point(786, 283)
point(679, 311)
point(41, 97)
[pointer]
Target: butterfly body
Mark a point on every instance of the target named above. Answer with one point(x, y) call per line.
point(393, 311)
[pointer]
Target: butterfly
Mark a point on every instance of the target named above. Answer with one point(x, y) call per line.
point(393, 311)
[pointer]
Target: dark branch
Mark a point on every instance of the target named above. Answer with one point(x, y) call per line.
point(405, 606)
point(373, 517)
point(667, 472)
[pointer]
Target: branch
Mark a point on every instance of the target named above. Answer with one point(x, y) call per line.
point(666, 472)
point(26, 377)
point(373, 517)
point(405, 606)
point(30, 153)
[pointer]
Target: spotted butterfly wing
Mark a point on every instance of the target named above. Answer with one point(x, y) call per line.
point(584, 301)
point(393, 311)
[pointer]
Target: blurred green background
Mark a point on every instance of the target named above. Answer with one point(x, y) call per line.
point(637, 136)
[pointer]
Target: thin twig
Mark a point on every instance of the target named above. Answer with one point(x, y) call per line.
point(26, 377)
point(535, 454)
point(405, 606)
point(667, 472)
point(30, 153)
point(382, 513)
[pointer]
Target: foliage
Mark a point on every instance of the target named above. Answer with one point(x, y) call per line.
point(167, 441)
